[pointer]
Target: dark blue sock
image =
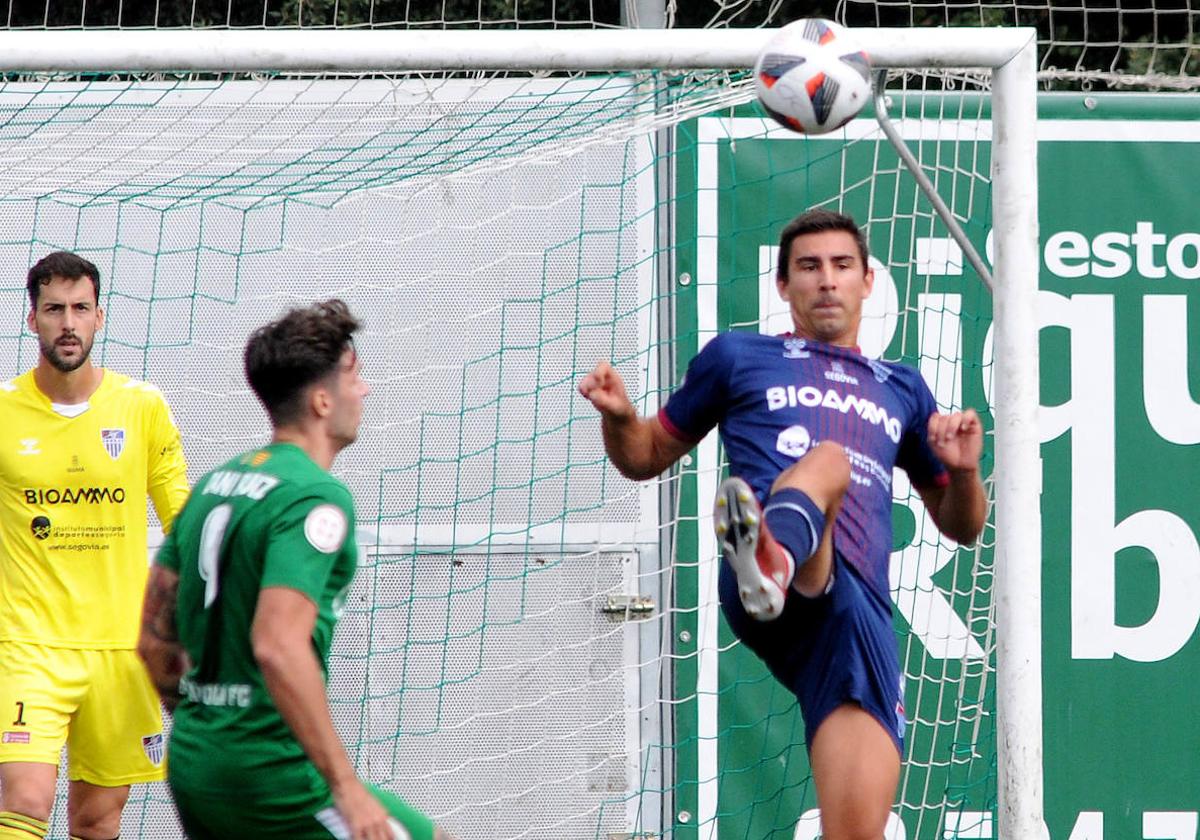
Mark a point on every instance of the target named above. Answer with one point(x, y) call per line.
point(795, 522)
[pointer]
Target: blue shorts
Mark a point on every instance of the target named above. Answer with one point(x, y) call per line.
point(834, 649)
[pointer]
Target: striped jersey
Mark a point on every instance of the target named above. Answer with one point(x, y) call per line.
point(775, 397)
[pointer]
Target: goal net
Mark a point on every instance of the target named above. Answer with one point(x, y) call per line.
point(532, 647)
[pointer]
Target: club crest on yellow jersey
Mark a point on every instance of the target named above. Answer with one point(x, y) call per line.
point(114, 442)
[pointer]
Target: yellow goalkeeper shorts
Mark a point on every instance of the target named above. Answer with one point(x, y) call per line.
point(99, 703)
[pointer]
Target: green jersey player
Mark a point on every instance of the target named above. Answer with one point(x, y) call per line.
point(241, 605)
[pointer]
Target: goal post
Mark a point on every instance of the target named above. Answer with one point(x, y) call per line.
point(1019, 473)
point(493, 525)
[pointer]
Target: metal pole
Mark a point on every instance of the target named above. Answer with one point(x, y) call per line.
point(1018, 472)
point(914, 168)
point(322, 51)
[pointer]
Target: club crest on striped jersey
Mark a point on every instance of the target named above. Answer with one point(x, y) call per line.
point(881, 371)
point(114, 442)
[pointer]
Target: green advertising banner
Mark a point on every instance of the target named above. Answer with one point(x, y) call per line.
point(1118, 305)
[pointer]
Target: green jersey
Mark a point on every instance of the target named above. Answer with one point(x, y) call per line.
point(270, 517)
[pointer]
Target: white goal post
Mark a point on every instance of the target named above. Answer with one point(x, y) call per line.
point(1009, 54)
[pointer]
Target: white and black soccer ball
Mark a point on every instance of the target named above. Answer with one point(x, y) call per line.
point(812, 76)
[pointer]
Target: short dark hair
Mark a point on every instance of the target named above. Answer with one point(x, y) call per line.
point(291, 353)
point(817, 221)
point(60, 264)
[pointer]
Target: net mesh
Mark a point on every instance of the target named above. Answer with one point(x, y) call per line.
point(499, 236)
point(1082, 44)
point(1101, 44)
point(928, 311)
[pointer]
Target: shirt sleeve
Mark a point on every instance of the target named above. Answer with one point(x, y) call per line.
point(168, 554)
point(915, 456)
point(306, 539)
point(699, 403)
point(167, 481)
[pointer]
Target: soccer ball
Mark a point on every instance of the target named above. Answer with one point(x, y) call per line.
point(812, 77)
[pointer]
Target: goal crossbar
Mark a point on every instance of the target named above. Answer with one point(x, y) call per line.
point(353, 51)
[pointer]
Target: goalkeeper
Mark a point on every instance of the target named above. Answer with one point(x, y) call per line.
point(812, 430)
point(81, 447)
point(241, 605)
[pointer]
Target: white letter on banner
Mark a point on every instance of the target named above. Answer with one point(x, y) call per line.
point(1169, 406)
point(1144, 239)
point(1094, 540)
point(1169, 825)
point(1177, 262)
point(1067, 245)
point(1089, 825)
point(1108, 255)
point(1174, 546)
point(924, 607)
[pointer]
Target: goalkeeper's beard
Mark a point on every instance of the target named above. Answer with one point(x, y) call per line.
point(52, 355)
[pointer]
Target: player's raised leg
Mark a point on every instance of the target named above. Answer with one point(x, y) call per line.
point(764, 569)
point(787, 542)
point(818, 480)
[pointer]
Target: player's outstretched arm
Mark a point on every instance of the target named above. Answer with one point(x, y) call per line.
point(960, 508)
point(158, 641)
point(639, 447)
point(281, 638)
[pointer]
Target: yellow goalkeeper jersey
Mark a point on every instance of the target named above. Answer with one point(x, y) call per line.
point(73, 520)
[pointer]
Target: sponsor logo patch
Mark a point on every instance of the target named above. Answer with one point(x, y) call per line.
point(810, 397)
point(40, 527)
point(325, 528)
point(14, 738)
point(152, 746)
point(793, 348)
point(794, 441)
point(865, 470)
point(114, 442)
point(74, 495)
point(29, 446)
point(838, 374)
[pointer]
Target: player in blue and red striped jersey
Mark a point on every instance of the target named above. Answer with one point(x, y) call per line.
point(812, 430)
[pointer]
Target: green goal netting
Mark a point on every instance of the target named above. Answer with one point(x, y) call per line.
point(532, 648)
